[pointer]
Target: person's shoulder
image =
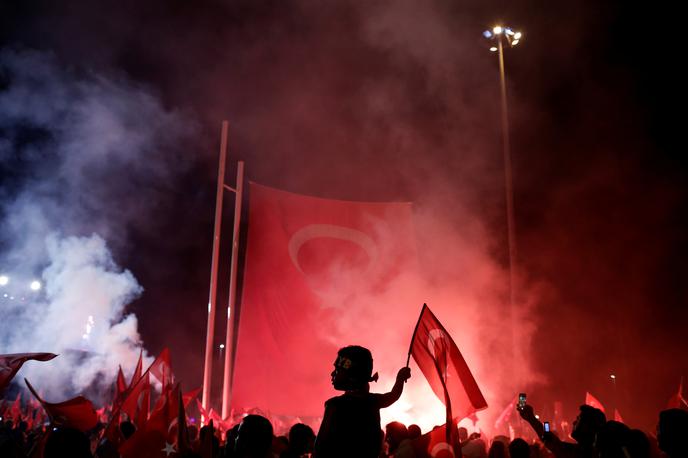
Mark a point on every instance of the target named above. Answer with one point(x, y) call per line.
point(336, 400)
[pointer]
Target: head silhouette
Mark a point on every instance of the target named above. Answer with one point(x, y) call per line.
point(63, 442)
point(301, 438)
point(254, 437)
point(518, 448)
point(414, 431)
point(352, 368)
point(396, 432)
point(589, 421)
point(127, 428)
point(672, 432)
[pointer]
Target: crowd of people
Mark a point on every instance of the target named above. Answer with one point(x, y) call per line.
point(351, 428)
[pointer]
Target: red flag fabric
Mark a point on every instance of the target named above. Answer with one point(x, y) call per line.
point(136, 397)
point(15, 410)
point(136, 376)
point(121, 383)
point(161, 368)
point(440, 361)
point(143, 407)
point(190, 396)
point(434, 444)
point(677, 401)
point(11, 363)
point(504, 417)
point(306, 258)
point(592, 401)
point(158, 438)
point(75, 413)
point(617, 416)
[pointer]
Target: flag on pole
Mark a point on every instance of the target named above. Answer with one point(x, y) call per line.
point(136, 376)
point(617, 416)
point(306, 258)
point(15, 410)
point(161, 368)
point(136, 394)
point(136, 398)
point(190, 396)
point(677, 401)
point(120, 385)
point(158, 438)
point(443, 366)
point(592, 401)
point(434, 444)
point(11, 363)
point(504, 417)
point(75, 413)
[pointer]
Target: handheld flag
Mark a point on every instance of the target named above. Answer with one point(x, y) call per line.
point(592, 401)
point(677, 401)
point(75, 413)
point(440, 361)
point(10, 365)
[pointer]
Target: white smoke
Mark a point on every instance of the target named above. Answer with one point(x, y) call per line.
point(86, 156)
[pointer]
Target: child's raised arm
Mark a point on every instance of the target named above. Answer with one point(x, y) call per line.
point(387, 399)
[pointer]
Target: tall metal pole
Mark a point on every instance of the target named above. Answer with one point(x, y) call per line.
point(508, 183)
point(210, 332)
point(229, 350)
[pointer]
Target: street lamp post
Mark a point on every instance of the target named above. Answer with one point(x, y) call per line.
point(505, 36)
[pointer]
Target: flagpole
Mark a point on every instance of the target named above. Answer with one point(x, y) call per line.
point(210, 332)
point(229, 350)
point(413, 336)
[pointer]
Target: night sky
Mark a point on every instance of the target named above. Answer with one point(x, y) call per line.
point(379, 101)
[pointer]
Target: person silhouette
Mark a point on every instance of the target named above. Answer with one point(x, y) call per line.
point(585, 428)
point(351, 422)
point(672, 432)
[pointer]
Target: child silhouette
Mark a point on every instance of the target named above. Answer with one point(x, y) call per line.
point(351, 423)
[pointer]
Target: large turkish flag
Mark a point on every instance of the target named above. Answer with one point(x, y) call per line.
point(313, 266)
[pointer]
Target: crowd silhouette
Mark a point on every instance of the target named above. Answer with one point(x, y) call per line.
point(351, 428)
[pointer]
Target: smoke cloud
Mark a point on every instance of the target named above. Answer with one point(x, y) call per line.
point(87, 157)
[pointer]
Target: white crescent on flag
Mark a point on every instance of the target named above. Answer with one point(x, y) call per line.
point(314, 231)
point(441, 447)
point(433, 335)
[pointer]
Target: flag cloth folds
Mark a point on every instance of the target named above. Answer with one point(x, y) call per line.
point(11, 363)
point(136, 376)
point(158, 437)
point(120, 385)
point(75, 413)
point(434, 444)
point(440, 361)
point(677, 401)
point(503, 418)
point(618, 417)
point(307, 262)
point(592, 401)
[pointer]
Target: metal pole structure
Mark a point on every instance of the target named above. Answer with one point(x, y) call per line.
point(210, 332)
point(229, 350)
point(614, 399)
point(508, 183)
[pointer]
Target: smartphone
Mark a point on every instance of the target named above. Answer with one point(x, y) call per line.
point(521, 400)
point(546, 426)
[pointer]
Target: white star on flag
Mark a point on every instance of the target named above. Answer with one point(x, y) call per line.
point(169, 449)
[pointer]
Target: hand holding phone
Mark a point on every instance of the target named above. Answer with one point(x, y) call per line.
point(546, 425)
point(521, 401)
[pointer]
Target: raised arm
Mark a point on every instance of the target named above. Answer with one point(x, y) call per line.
point(390, 398)
point(528, 415)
